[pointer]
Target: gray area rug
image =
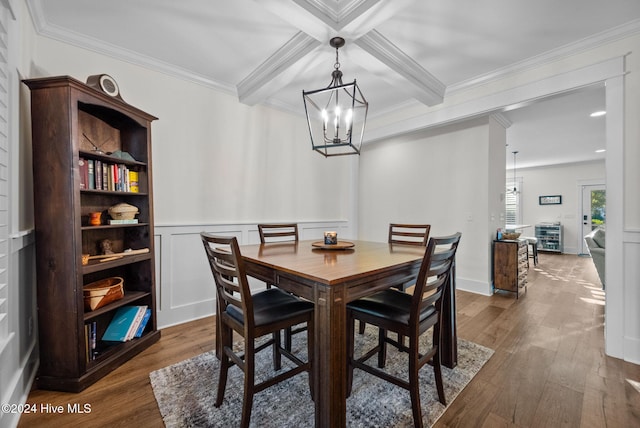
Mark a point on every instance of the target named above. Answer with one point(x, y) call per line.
point(186, 391)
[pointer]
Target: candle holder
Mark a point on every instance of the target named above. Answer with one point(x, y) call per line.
point(330, 238)
point(95, 218)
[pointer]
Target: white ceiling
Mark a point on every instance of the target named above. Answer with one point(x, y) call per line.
point(402, 52)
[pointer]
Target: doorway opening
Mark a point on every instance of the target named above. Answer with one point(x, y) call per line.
point(594, 211)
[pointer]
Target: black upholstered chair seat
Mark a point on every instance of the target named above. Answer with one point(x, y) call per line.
point(391, 305)
point(272, 306)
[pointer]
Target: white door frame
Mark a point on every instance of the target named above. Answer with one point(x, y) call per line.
point(582, 185)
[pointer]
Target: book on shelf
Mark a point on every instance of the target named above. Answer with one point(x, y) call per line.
point(90, 331)
point(94, 339)
point(105, 177)
point(133, 182)
point(83, 169)
point(98, 174)
point(143, 323)
point(91, 183)
point(124, 221)
point(124, 324)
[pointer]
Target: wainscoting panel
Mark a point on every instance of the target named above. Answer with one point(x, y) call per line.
point(185, 288)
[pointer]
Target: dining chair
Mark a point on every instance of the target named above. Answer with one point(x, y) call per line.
point(532, 242)
point(278, 232)
point(252, 316)
point(409, 234)
point(281, 232)
point(409, 315)
point(405, 234)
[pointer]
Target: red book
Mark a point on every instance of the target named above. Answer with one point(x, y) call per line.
point(84, 173)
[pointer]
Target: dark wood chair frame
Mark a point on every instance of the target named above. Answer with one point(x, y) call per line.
point(277, 232)
point(405, 234)
point(424, 312)
point(233, 294)
point(409, 234)
point(269, 231)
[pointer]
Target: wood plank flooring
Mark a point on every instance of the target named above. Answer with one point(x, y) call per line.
point(549, 368)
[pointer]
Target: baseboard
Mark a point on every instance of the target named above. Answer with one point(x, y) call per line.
point(473, 286)
point(15, 390)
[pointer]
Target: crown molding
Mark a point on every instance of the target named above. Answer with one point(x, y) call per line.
point(43, 28)
point(334, 14)
point(588, 43)
point(373, 43)
point(502, 120)
point(499, 101)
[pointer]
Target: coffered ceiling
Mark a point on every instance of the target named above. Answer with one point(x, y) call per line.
point(402, 52)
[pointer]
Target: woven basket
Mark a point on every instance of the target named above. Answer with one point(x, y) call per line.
point(100, 293)
point(123, 211)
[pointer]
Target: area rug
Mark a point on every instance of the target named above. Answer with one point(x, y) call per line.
point(186, 391)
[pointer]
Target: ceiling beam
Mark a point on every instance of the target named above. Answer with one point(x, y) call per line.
point(424, 86)
point(319, 21)
point(278, 70)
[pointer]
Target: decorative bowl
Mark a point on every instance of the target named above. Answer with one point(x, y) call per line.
point(99, 293)
point(510, 236)
point(123, 211)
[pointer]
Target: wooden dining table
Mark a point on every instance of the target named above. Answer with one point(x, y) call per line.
point(331, 278)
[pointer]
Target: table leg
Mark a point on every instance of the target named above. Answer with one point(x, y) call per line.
point(330, 357)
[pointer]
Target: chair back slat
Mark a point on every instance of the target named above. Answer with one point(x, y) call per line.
point(227, 267)
point(409, 234)
point(278, 232)
point(435, 273)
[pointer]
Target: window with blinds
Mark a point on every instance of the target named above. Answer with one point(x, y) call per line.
point(513, 206)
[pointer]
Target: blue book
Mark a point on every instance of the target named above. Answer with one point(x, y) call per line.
point(143, 323)
point(118, 329)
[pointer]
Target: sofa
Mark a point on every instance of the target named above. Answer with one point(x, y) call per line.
point(595, 244)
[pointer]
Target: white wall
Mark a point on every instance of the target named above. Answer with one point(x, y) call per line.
point(446, 178)
point(216, 160)
point(18, 346)
point(561, 180)
point(615, 62)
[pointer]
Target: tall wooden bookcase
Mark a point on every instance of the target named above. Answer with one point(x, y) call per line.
point(69, 120)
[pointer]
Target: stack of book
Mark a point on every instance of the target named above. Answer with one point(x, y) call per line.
point(98, 175)
point(128, 322)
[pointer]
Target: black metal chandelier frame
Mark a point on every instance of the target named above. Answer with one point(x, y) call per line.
point(344, 104)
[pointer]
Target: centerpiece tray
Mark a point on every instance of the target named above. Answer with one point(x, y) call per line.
point(341, 245)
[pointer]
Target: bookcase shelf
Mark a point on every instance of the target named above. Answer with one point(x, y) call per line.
point(69, 120)
point(114, 226)
point(129, 298)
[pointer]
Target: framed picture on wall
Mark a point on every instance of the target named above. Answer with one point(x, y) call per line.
point(550, 200)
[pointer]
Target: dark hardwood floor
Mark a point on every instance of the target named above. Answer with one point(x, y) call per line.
point(549, 368)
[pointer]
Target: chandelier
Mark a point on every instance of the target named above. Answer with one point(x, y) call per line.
point(336, 113)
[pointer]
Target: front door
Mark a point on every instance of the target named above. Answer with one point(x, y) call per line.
point(593, 210)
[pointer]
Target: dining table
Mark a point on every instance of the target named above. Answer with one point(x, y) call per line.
point(330, 277)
